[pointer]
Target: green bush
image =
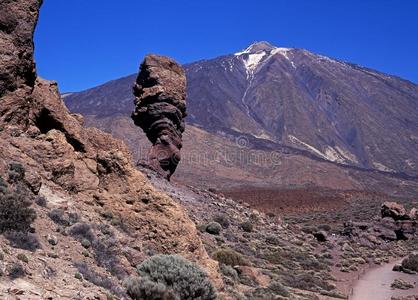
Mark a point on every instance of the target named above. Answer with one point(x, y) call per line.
point(308, 282)
point(171, 275)
point(229, 271)
point(22, 257)
point(16, 271)
point(41, 201)
point(15, 211)
point(213, 228)
point(97, 279)
point(324, 227)
point(16, 172)
point(62, 217)
point(144, 289)
point(247, 226)
point(222, 219)
point(23, 240)
point(229, 257)
point(279, 289)
point(411, 262)
point(308, 229)
point(3, 186)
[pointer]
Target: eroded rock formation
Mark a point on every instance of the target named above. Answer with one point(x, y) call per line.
point(17, 68)
point(79, 171)
point(394, 210)
point(160, 108)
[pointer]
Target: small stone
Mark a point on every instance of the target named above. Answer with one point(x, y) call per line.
point(86, 243)
point(347, 248)
point(53, 255)
point(52, 239)
point(78, 276)
point(401, 284)
point(397, 268)
point(23, 257)
point(321, 236)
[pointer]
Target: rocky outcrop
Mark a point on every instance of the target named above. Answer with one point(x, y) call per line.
point(81, 172)
point(394, 210)
point(160, 109)
point(17, 67)
point(17, 23)
point(395, 224)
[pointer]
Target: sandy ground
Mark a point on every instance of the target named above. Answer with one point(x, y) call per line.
point(375, 284)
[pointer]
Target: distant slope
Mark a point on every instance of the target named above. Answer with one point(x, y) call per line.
point(333, 110)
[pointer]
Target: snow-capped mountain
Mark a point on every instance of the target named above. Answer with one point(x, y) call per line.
point(333, 110)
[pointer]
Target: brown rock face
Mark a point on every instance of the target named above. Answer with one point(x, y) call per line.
point(394, 210)
point(160, 108)
point(17, 68)
point(17, 23)
point(77, 170)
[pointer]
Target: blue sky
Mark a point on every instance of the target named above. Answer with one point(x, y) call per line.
point(83, 43)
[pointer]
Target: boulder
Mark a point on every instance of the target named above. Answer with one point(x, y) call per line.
point(394, 210)
point(160, 109)
point(321, 236)
point(413, 214)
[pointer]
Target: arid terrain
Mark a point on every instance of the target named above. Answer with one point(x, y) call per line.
point(83, 215)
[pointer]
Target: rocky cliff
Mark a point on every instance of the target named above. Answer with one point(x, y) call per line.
point(97, 216)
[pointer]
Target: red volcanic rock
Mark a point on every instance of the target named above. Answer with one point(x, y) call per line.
point(413, 214)
point(17, 23)
point(17, 68)
point(394, 210)
point(160, 109)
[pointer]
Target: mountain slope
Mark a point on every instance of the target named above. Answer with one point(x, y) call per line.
point(336, 111)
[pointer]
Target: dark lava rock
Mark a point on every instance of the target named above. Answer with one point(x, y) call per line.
point(394, 210)
point(321, 236)
point(160, 109)
point(397, 268)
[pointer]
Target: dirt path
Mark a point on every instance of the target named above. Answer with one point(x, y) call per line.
point(375, 284)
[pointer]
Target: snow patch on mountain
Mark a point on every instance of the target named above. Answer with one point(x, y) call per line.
point(348, 155)
point(253, 60)
point(295, 140)
point(332, 154)
point(382, 167)
point(285, 53)
point(258, 53)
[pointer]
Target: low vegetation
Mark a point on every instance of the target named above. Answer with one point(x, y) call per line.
point(23, 240)
point(411, 262)
point(247, 226)
point(16, 213)
point(170, 277)
point(99, 280)
point(214, 228)
point(229, 257)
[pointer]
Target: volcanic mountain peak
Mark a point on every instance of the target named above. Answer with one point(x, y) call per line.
point(256, 47)
point(259, 47)
point(258, 53)
point(336, 111)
